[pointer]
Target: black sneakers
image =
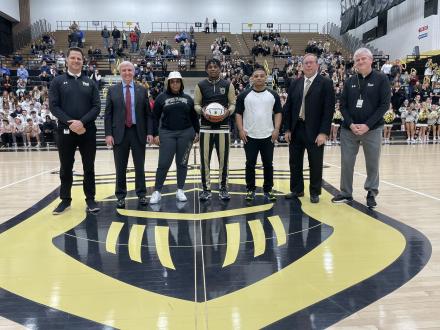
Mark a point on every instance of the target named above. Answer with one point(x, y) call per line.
point(120, 204)
point(341, 199)
point(61, 208)
point(224, 195)
point(250, 195)
point(269, 195)
point(371, 201)
point(92, 206)
point(205, 195)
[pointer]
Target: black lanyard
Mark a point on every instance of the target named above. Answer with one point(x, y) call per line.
point(361, 88)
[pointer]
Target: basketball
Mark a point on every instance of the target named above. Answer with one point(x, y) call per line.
point(214, 112)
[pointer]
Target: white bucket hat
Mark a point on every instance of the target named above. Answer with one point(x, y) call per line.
point(175, 75)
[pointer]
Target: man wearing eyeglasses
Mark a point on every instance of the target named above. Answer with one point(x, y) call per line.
point(307, 121)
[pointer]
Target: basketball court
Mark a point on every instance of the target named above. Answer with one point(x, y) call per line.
point(288, 264)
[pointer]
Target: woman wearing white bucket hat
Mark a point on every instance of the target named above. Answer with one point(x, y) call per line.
point(179, 128)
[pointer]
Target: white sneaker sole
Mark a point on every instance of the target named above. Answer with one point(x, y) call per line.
point(57, 213)
point(155, 201)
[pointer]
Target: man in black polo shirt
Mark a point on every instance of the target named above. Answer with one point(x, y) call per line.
point(74, 101)
point(365, 99)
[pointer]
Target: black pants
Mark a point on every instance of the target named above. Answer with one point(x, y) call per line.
point(121, 153)
point(67, 144)
point(296, 159)
point(265, 148)
point(7, 139)
point(207, 143)
point(178, 143)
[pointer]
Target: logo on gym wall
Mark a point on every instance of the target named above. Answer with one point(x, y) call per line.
point(167, 257)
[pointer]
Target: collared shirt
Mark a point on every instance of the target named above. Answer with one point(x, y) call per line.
point(311, 80)
point(133, 114)
point(73, 74)
point(302, 111)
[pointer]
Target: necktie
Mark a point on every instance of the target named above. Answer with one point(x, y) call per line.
point(306, 89)
point(128, 119)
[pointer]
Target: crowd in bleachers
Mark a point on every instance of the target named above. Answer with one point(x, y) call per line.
point(407, 92)
point(221, 46)
point(25, 117)
point(271, 43)
point(119, 39)
point(414, 103)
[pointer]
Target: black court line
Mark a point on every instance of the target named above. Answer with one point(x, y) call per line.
point(318, 316)
point(30, 313)
point(329, 311)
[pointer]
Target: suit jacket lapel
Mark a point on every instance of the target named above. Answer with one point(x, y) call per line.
point(315, 83)
point(137, 94)
point(301, 87)
point(120, 94)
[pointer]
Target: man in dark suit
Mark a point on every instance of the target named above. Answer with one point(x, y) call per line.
point(128, 125)
point(307, 120)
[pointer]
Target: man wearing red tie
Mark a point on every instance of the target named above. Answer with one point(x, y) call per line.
point(307, 120)
point(128, 126)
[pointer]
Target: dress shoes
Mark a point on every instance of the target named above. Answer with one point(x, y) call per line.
point(314, 199)
point(92, 206)
point(293, 195)
point(143, 201)
point(120, 204)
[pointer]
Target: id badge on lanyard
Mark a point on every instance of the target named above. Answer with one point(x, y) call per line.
point(359, 103)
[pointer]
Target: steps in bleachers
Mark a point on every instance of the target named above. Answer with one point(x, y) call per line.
point(242, 43)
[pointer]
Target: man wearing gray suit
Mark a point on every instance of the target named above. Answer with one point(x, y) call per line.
point(128, 126)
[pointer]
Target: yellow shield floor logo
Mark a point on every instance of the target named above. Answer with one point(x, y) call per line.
point(193, 265)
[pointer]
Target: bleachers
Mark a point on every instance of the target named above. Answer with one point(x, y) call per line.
point(241, 43)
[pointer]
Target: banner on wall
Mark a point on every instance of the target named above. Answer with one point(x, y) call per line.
point(423, 31)
point(364, 11)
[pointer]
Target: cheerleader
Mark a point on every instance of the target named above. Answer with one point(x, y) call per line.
point(336, 123)
point(389, 119)
point(432, 122)
point(422, 123)
point(402, 110)
point(6, 133)
point(410, 115)
point(436, 126)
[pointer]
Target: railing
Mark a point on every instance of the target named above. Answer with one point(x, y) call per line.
point(350, 42)
point(230, 57)
point(29, 61)
point(97, 25)
point(412, 58)
point(418, 62)
point(273, 62)
point(185, 26)
point(35, 31)
point(280, 27)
